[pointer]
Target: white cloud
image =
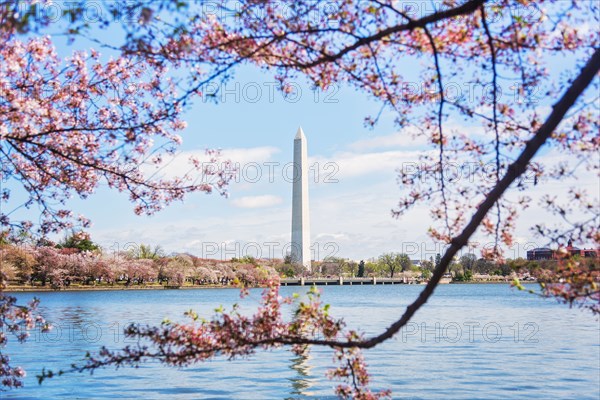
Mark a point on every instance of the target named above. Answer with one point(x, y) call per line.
point(405, 139)
point(380, 154)
point(330, 236)
point(354, 164)
point(252, 154)
point(179, 164)
point(257, 201)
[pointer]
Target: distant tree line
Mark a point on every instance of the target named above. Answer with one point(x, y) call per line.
point(464, 268)
point(77, 260)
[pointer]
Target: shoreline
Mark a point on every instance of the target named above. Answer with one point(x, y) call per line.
point(27, 289)
point(18, 289)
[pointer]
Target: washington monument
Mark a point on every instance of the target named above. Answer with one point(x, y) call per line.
point(300, 251)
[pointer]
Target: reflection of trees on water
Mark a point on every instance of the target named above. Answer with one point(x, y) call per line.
point(74, 329)
point(301, 381)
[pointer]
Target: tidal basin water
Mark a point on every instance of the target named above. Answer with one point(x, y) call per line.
point(468, 342)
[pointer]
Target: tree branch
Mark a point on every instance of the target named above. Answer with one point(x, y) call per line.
point(440, 115)
point(490, 41)
point(465, 9)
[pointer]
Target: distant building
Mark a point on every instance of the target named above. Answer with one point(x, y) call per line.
point(544, 253)
point(541, 253)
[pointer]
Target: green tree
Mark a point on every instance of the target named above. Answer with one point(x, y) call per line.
point(483, 266)
point(425, 273)
point(350, 268)
point(78, 240)
point(468, 261)
point(391, 262)
point(463, 277)
point(427, 265)
point(503, 269)
point(146, 252)
point(333, 266)
point(438, 260)
point(405, 262)
point(249, 260)
point(468, 276)
point(374, 268)
point(290, 269)
point(361, 269)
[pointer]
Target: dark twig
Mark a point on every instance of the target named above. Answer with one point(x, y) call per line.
point(490, 41)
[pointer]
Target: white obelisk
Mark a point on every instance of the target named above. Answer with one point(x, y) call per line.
point(300, 246)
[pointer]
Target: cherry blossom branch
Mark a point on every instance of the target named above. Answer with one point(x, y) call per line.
point(464, 9)
point(16, 320)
